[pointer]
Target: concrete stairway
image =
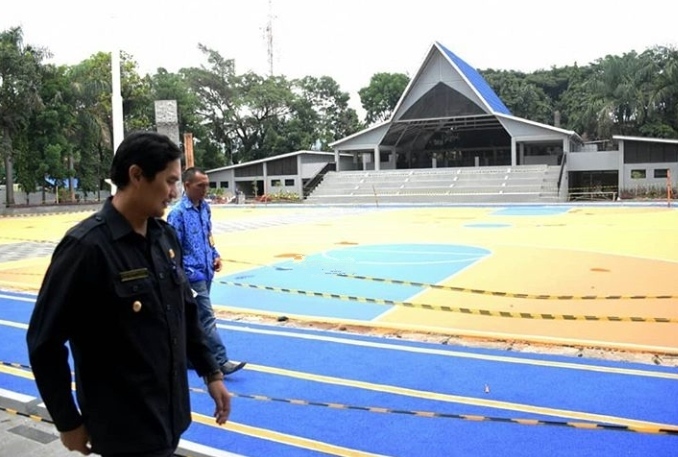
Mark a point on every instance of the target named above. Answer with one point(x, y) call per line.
point(505, 184)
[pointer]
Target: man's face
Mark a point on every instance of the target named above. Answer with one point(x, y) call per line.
point(158, 194)
point(196, 189)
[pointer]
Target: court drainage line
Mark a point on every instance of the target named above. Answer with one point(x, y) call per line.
point(455, 309)
point(441, 331)
point(447, 353)
point(502, 294)
point(468, 417)
point(231, 426)
point(459, 354)
point(285, 438)
point(428, 395)
point(596, 421)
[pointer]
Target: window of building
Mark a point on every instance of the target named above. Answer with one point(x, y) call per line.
point(661, 173)
point(289, 182)
point(223, 184)
point(645, 152)
point(285, 166)
point(638, 174)
point(275, 182)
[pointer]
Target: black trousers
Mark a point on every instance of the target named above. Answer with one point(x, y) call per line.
point(158, 453)
point(163, 453)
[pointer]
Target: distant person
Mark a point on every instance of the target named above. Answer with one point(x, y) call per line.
point(191, 216)
point(116, 293)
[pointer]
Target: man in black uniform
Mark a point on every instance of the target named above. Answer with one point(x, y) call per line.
point(116, 294)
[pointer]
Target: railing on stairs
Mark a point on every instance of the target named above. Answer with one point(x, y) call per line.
point(312, 183)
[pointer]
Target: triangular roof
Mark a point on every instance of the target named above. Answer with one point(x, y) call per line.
point(446, 94)
point(458, 74)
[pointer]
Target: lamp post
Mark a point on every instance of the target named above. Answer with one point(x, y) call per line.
point(116, 103)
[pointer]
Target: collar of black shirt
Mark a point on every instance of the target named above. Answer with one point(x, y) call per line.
point(120, 226)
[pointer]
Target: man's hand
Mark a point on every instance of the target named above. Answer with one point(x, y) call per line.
point(217, 264)
point(76, 440)
point(222, 401)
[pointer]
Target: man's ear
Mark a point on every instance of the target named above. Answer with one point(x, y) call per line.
point(135, 174)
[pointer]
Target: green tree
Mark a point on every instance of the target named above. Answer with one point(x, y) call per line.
point(617, 94)
point(46, 137)
point(242, 111)
point(27, 175)
point(19, 94)
point(137, 96)
point(175, 86)
point(381, 96)
point(662, 119)
point(334, 119)
point(522, 97)
point(212, 87)
point(576, 113)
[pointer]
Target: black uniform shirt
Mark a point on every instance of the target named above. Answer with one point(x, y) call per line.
point(123, 305)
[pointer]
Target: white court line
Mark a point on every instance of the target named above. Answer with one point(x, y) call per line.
point(12, 297)
point(452, 353)
point(14, 324)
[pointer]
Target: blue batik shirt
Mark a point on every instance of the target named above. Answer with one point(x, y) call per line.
point(194, 228)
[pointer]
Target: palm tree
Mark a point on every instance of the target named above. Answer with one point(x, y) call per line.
point(19, 94)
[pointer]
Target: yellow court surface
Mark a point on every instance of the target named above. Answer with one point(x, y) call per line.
point(602, 276)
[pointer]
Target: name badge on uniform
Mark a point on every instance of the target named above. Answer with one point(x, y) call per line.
point(131, 275)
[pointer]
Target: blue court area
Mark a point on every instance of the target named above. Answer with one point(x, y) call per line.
point(271, 287)
point(318, 393)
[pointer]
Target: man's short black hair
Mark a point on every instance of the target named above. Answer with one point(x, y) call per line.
point(189, 173)
point(151, 151)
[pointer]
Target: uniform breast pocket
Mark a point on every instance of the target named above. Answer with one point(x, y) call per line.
point(178, 276)
point(135, 296)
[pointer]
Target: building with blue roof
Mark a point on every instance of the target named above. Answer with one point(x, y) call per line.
point(449, 116)
point(449, 119)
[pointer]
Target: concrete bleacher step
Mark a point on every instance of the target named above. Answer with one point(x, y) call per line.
point(533, 183)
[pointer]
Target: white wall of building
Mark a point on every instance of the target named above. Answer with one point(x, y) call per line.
point(632, 181)
point(593, 161)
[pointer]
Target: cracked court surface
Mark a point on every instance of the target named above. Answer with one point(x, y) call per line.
point(563, 274)
point(350, 395)
point(604, 276)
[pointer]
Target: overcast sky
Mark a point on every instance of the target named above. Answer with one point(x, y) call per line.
point(349, 40)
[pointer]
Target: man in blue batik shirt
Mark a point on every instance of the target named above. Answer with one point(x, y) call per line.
point(192, 218)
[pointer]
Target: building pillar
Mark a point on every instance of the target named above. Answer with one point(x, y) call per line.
point(377, 158)
point(266, 186)
point(299, 179)
point(621, 179)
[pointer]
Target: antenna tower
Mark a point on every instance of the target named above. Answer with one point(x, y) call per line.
point(269, 37)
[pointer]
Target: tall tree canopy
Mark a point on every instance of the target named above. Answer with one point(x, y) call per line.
point(20, 79)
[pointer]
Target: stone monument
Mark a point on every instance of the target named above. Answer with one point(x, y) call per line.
point(167, 120)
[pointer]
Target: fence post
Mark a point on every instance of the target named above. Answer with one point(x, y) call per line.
point(669, 187)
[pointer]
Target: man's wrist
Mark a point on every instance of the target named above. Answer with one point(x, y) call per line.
point(212, 377)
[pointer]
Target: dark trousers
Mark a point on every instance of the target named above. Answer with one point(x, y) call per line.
point(163, 453)
point(159, 453)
